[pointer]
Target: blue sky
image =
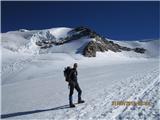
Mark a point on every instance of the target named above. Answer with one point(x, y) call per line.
point(116, 20)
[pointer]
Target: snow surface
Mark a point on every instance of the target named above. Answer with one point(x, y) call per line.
point(151, 46)
point(33, 85)
point(60, 32)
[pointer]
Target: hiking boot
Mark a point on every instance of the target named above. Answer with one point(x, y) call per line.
point(80, 101)
point(72, 105)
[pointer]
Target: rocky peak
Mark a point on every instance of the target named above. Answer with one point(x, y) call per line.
point(98, 43)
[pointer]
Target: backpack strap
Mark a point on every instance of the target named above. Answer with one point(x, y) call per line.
point(69, 76)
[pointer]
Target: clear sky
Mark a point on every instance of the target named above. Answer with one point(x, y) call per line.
point(116, 20)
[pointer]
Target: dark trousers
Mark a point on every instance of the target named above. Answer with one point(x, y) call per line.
point(76, 86)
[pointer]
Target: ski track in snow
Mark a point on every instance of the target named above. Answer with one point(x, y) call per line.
point(13, 68)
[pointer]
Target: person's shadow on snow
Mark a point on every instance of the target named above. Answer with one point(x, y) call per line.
point(32, 112)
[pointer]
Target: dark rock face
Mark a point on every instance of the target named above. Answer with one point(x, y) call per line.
point(78, 33)
point(139, 50)
point(112, 46)
point(125, 48)
point(90, 49)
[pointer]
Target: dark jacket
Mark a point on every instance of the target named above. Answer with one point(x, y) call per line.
point(73, 75)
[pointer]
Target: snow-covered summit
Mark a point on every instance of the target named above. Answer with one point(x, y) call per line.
point(72, 41)
point(60, 32)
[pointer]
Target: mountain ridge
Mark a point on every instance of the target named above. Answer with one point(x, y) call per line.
point(61, 39)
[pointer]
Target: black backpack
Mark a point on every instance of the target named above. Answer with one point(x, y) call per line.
point(66, 73)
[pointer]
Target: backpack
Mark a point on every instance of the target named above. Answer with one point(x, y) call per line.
point(66, 73)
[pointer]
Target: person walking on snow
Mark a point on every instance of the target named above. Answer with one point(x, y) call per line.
point(73, 83)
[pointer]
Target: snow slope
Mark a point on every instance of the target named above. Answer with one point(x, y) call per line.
point(60, 32)
point(33, 85)
point(151, 46)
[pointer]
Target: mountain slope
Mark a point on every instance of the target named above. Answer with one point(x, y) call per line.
point(84, 40)
point(33, 84)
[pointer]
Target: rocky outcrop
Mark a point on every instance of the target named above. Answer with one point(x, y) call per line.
point(102, 45)
point(90, 49)
point(139, 50)
point(78, 33)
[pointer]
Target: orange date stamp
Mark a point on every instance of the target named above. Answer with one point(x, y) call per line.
point(131, 103)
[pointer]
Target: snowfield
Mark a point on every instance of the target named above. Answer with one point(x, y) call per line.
point(33, 85)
